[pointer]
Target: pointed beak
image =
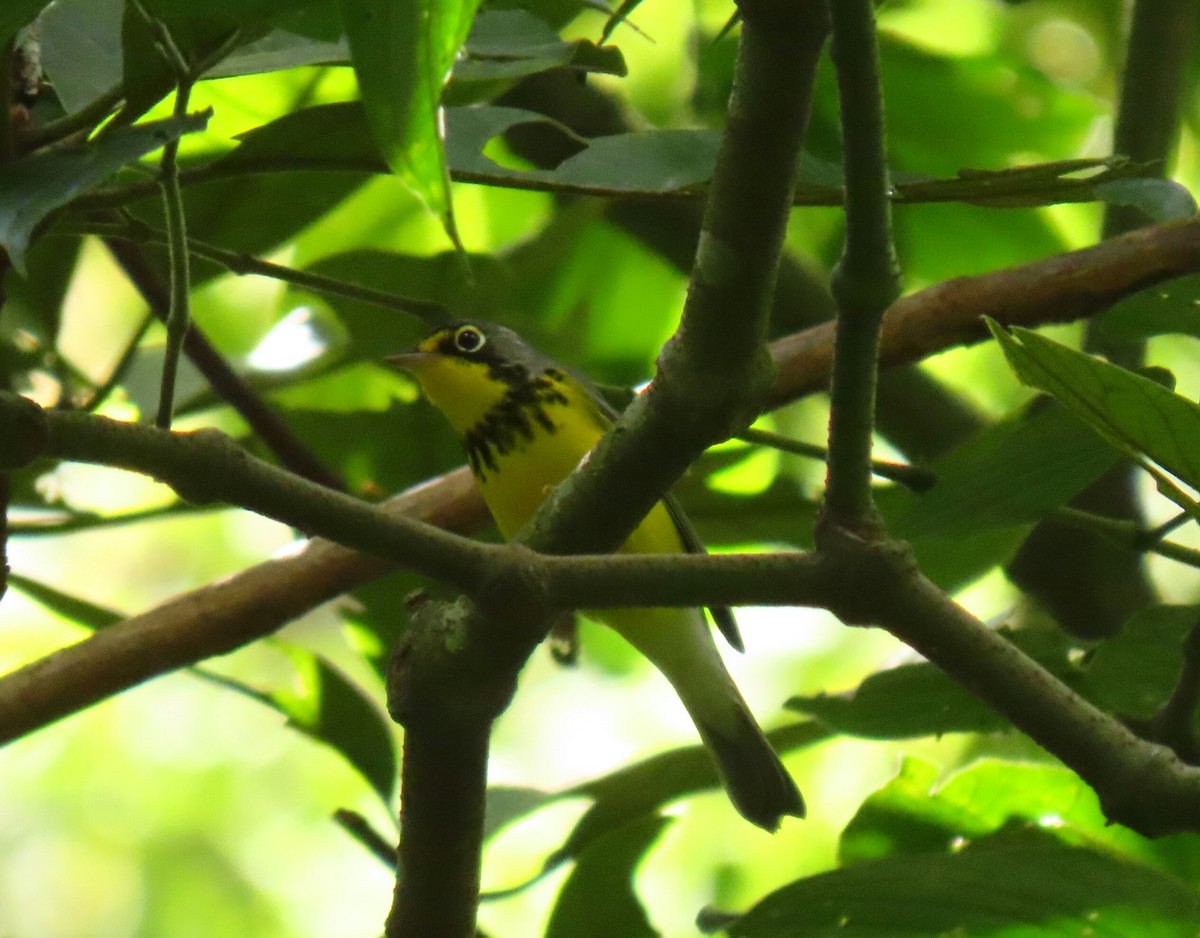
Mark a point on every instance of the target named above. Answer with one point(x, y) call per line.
point(413, 360)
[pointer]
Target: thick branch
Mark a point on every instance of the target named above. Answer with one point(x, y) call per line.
point(1140, 784)
point(710, 381)
point(218, 618)
point(712, 374)
point(207, 467)
point(1063, 288)
point(225, 616)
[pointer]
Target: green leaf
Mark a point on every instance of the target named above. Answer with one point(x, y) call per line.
point(1134, 672)
point(920, 811)
point(644, 787)
point(402, 54)
point(88, 46)
point(598, 897)
point(334, 710)
point(70, 607)
point(506, 804)
point(1159, 199)
point(33, 187)
point(1171, 307)
point(1014, 472)
point(1141, 418)
point(1023, 883)
point(919, 699)
point(17, 13)
point(508, 44)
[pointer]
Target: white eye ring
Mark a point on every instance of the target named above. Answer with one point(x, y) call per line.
point(469, 340)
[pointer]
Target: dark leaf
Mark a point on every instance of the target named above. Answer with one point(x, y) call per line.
point(1011, 883)
point(598, 898)
point(1012, 473)
point(33, 187)
point(334, 710)
point(645, 787)
point(16, 13)
point(1134, 672)
point(1158, 199)
point(1171, 307)
point(1141, 418)
point(919, 699)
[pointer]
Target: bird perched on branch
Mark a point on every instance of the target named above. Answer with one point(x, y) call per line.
point(526, 423)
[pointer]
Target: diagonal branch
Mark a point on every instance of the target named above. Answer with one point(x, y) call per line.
point(227, 615)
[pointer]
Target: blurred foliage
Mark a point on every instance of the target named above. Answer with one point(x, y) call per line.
point(201, 808)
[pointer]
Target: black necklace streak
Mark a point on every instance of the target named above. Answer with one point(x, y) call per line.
point(514, 419)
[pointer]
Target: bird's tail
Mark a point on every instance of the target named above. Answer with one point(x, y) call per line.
point(757, 782)
point(681, 646)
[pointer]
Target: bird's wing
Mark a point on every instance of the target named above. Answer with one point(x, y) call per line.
point(722, 615)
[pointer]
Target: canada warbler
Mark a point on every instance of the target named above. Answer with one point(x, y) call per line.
point(526, 423)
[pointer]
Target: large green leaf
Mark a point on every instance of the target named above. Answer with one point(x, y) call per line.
point(1159, 199)
point(647, 786)
point(598, 897)
point(402, 54)
point(920, 810)
point(1140, 417)
point(1134, 672)
point(1015, 472)
point(1171, 307)
point(346, 718)
point(1023, 883)
point(918, 699)
point(33, 187)
point(16, 13)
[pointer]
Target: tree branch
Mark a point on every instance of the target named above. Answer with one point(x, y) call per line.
point(1063, 288)
point(1140, 784)
point(224, 616)
point(218, 618)
point(263, 420)
point(713, 374)
point(711, 378)
point(867, 278)
point(207, 467)
point(241, 263)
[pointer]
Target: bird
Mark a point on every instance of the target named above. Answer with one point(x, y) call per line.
point(526, 422)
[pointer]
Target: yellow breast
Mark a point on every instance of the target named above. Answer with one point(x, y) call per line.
point(523, 441)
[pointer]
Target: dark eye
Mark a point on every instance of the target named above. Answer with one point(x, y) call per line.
point(468, 339)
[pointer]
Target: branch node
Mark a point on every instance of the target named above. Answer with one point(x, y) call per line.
point(23, 431)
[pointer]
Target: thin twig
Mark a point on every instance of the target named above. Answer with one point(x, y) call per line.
point(266, 423)
point(241, 263)
point(81, 121)
point(361, 830)
point(1158, 532)
point(101, 392)
point(179, 315)
point(917, 478)
point(1128, 534)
